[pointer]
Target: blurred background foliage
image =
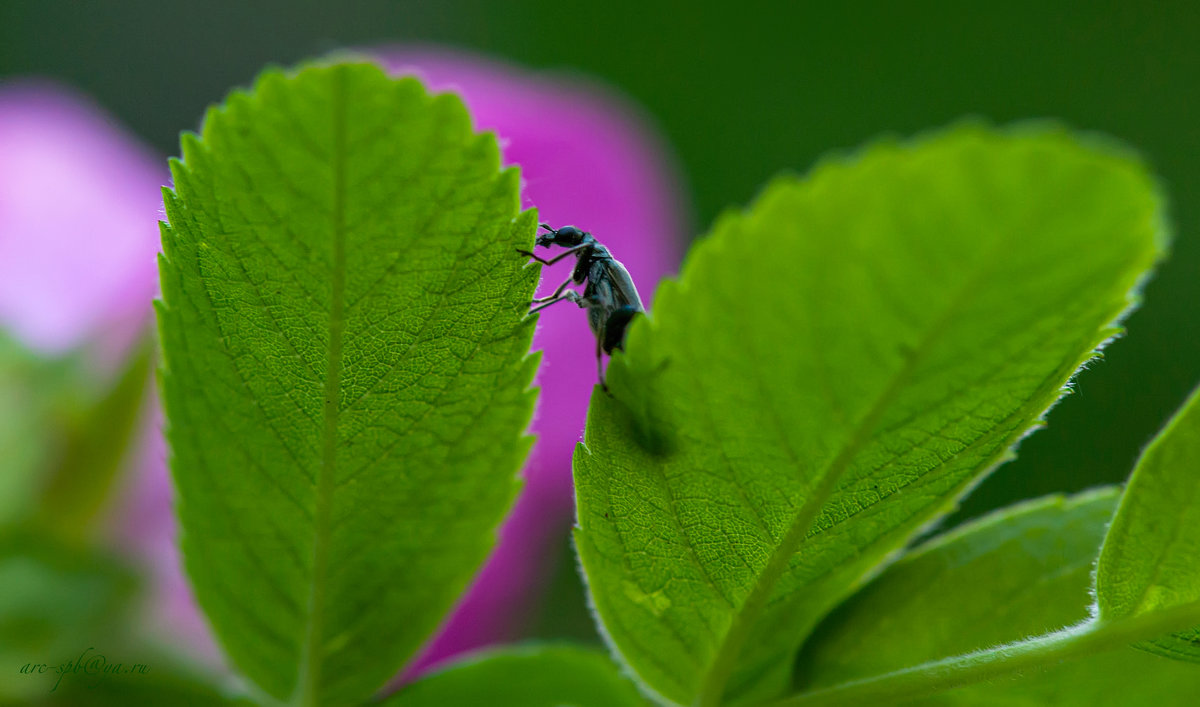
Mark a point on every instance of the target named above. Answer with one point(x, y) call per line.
point(741, 92)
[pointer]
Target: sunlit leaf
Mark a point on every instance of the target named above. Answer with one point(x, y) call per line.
point(346, 370)
point(833, 369)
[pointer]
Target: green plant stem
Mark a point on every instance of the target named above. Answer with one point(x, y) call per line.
point(1083, 639)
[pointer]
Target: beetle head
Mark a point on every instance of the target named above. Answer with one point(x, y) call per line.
point(567, 236)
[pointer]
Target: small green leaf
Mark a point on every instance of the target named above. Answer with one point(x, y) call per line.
point(95, 449)
point(39, 396)
point(833, 369)
point(64, 434)
point(346, 370)
point(563, 613)
point(538, 676)
point(1151, 557)
point(1020, 572)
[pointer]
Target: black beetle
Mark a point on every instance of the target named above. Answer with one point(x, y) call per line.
point(609, 297)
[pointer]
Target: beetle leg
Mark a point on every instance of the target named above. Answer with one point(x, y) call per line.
point(560, 256)
point(568, 251)
point(529, 254)
point(557, 293)
point(570, 295)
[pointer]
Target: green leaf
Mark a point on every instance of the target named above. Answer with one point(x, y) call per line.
point(38, 396)
point(94, 450)
point(537, 676)
point(833, 369)
point(563, 613)
point(64, 435)
point(346, 370)
point(1022, 571)
point(1151, 556)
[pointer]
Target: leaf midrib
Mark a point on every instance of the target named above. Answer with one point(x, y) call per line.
point(729, 650)
point(312, 656)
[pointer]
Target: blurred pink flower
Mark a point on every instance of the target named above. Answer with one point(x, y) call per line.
point(78, 198)
point(79, 202)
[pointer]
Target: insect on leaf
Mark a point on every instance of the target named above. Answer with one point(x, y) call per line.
point(834, 367)
point(346, 370)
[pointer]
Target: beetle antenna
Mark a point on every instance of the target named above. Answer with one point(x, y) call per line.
point(547, 227)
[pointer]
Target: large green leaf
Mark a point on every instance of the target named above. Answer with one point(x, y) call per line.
point(833, 369)
point(535, 676)
point(346, 369)
point(1021, 572)
point(1151, 556)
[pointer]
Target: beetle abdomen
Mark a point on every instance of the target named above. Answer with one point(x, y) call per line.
point(614, 328)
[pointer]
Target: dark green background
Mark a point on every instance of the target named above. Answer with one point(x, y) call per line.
point(741, 93)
